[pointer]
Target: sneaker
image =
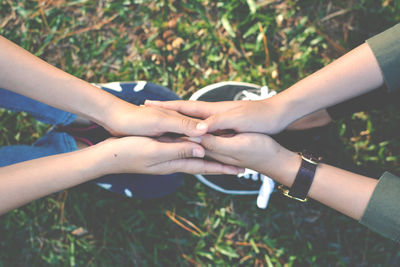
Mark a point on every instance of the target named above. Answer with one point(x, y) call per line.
point(250, 182)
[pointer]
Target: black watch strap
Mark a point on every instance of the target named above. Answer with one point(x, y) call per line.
point(304, 179)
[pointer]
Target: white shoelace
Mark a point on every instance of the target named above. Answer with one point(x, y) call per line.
point(265, 93)
point(268, 184)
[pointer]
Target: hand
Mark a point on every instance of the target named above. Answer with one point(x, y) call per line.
point(124, 119)
point(251, 150)
point(147, 155)
point(264, 116)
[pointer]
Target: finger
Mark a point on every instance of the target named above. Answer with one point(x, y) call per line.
point(177, 139)
point(226, 146)
point(196, 166)
point(182, 150)
point(222, 122)
point(198, 109)
point(178, 123)
point(221, 158)
point(207, 142)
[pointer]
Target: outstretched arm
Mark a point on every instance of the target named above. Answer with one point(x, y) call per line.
point(23, 182)
point(23, 73)
point(351, 75)
point(346, 192)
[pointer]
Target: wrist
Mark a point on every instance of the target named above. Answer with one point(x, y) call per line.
point(292, 105)
point(114, 114)
point(282, 110)
point(90, 102)
point(100, 162)
point(285, 166)
point(96, 104)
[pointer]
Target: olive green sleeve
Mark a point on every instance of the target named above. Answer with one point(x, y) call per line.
point(386, 48)
point(382, 214)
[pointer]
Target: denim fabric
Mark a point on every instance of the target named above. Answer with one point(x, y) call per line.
point(40, 111)
point(51, 144)
point(131, 185)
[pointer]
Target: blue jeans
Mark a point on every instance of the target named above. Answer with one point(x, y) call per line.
point(131, 185)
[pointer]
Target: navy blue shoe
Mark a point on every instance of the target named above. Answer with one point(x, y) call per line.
point(137, 92)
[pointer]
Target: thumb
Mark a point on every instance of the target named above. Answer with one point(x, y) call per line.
point(219, 122)
point(185, 125)
point(182, 150)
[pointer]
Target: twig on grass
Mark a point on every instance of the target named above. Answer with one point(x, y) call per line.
point(175, 218)
point(265, 41)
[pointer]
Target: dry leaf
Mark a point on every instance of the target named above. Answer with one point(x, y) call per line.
point(167, 34)
point(177, 42)
point(159, 43)
point(79, 231)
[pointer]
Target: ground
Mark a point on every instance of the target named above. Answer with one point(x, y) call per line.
point(186, 45)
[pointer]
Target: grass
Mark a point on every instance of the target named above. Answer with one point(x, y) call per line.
point(186, 45)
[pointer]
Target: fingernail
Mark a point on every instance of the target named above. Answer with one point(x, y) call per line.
point(201, 126)
point(198, 153)
point(149, 102)
point(195, 139)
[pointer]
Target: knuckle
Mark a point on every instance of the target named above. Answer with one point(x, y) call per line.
point(187, 123)
point(184, 153)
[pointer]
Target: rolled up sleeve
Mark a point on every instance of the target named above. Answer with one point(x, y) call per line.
point(386, 48)
point(382, 214)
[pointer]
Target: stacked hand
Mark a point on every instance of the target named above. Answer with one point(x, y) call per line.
point(127, 119)
point(250, 147)
point(138, 153)
point(263, 116)
point(251, 120)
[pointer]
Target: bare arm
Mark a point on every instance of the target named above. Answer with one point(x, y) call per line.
point(23, 73)
point(346, 192)
point(30, 180)
point(23, 182)
point(353, 74)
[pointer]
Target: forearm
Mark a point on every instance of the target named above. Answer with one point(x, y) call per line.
point(23, 73)
point(346, 192)
point(353, 74)
point(24, 182)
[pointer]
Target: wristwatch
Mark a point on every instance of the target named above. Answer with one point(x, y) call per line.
point(304, 178)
